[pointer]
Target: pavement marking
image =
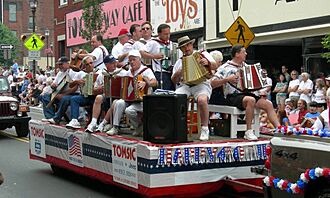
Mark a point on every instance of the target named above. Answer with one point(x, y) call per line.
point(22, 139)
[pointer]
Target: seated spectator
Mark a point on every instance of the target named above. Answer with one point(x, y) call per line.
point(283, 118)
point(289, 106)
point(311, 116)
point(322, 122)
point(302, 107)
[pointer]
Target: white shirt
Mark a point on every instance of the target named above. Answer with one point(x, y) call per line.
point(306, 85)
point(99, 56)
point(117, 50)
point(292, 84)
point(319, 125)
point(268, 83)
point(153, 47)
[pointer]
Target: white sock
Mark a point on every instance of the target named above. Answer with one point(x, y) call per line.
point(104, 122)
point(205, 127)
point(94, 121)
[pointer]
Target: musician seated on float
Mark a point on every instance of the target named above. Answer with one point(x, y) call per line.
point(91, 85)
point(61, 93)
point(98, 54)
point(133, 109)
point(200, 90)
point(244, 100)
point(103, 100)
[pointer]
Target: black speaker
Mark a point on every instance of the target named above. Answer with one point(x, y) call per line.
point(165, 118)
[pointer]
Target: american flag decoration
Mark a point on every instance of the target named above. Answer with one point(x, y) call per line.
point(264, 151)
point(214, 153)
point(241, 153)
point(260, 153)
point(210, 153)
point(161, 160)
point(196, 154)
point(74, 146)
point(168, 156)
point(186, 156)
point(180, 160)
point(229, 154)
point(176, 156)
point(202, 158)
point(236, 154)
point(192, 155)
point(222, 155)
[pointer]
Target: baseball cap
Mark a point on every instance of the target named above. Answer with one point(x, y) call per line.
point(62, 60)
point(109, 59)
point(135, 53)
point(123, 31)
point(288, 100)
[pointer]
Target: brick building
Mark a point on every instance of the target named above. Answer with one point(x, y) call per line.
point(17, 16)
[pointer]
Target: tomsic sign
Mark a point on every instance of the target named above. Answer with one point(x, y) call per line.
point(7, 46)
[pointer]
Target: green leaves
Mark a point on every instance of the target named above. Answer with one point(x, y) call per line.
point(93, 18)
point(326, 45)
point(7, 37)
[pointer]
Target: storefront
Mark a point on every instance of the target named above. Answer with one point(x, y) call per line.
point(286, 32)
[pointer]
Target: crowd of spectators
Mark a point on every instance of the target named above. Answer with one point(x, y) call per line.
point(26, 88)
point(298, 99)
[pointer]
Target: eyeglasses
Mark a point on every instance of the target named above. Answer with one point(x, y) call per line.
point(145, 28)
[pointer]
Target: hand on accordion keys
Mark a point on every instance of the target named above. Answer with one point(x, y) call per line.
point(142, 85)
point(204, 61)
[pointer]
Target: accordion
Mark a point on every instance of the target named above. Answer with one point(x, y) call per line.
point(250, 78)
point(87, 88)
point(126, 88)
point(193, 72)
point(171, 55)
point(108, 80)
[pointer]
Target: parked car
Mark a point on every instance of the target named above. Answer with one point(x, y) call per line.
point(12, 113)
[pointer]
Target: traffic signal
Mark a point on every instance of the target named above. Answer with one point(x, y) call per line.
point(42, 37)
point(23, 37)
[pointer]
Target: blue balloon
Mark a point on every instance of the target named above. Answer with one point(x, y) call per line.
point(312, 174)
point(301, 184)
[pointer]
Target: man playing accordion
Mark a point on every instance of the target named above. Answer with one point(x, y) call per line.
point(202, 90)
point(243, 100)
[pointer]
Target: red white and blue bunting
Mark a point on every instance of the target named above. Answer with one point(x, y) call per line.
point(290, 130)
point(172, 156)
point(299, 186)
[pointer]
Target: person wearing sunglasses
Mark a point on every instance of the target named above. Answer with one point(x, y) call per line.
point(86, 99)
point(146, 29)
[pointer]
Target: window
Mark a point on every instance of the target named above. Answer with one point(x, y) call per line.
point(12, 12)
point(63, 2)
point(30, 22)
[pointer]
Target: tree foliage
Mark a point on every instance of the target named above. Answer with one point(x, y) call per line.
point(93, 18)
point(326, 45)
point(7, 37)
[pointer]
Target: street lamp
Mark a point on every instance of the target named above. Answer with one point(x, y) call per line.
point(33, 5)
point(47, 35)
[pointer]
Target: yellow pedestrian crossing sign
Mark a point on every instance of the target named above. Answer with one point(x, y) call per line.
point(239, 33)
point(34, 43)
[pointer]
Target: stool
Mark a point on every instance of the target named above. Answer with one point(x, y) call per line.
point(192, 110)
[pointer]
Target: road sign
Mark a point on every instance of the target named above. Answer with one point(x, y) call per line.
point(34, 55)
point(239, 33)
point(34, 43)
point(7, 46)
point(6, 54)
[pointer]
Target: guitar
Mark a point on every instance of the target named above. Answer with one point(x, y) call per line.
point(58, 90)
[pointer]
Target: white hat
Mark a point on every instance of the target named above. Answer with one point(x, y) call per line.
point(327, 78)
point(288, 100)
point(135, 53)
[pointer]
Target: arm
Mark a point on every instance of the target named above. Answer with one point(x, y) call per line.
point(145, 54)
point(217, 82)
point(176, 77)
point(293, 89)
